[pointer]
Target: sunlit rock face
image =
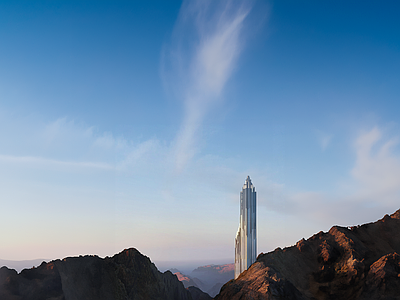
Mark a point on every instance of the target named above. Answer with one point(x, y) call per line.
point(246, 237)
point(360, 262)
point(127, 275)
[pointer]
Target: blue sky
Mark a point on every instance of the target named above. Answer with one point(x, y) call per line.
point(134, 124)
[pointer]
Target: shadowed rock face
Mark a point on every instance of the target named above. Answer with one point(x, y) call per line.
point(360, 262)
point(127, 275)
point(198, 294)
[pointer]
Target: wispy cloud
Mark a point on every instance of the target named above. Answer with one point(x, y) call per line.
point(207, 41)
point(377, 168)
point(371, 189)
point(53, 162)
point(135, 154)
point(63, 144)
point(324, 139)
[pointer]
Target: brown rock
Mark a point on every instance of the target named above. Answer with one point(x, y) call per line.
point(357, 263)
point(383, 276)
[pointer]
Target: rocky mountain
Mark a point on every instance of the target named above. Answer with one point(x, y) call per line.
point(127, 275)
point(360, 262)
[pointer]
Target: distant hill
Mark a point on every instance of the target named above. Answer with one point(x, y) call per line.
point(360, 262)
point(188, 281)
point(216, 269)
point(214, 276)
point(209, 278)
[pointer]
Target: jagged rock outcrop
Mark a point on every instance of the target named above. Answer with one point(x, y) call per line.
point(125, 276)
point(360, 262)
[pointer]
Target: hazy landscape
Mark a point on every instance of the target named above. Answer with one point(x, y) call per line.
point(357, 262)
point(129, 127)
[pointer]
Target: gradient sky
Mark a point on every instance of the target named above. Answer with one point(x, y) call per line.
point(135, 123)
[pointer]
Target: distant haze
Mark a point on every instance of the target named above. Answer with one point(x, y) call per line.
point(186, 267)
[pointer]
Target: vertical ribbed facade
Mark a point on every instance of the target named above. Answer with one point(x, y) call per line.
point(246, 237)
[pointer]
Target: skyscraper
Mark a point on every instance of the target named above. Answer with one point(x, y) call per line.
point(246, 237)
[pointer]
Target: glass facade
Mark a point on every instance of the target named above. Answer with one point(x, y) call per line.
point(246, 237)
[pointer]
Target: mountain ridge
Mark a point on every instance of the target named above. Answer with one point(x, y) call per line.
point(359, 262)
point(127, 275)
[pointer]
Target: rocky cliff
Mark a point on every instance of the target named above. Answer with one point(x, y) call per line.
point(127, 275)
point(360, 262)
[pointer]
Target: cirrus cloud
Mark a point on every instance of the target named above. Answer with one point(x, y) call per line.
point(212, 33)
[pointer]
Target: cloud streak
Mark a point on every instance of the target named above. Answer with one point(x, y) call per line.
point(377, 168)
point(65, 145)
point(324, 139)
point(53, 162)
point(212, 33)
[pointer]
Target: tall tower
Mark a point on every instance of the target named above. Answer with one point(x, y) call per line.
point(246, 237)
